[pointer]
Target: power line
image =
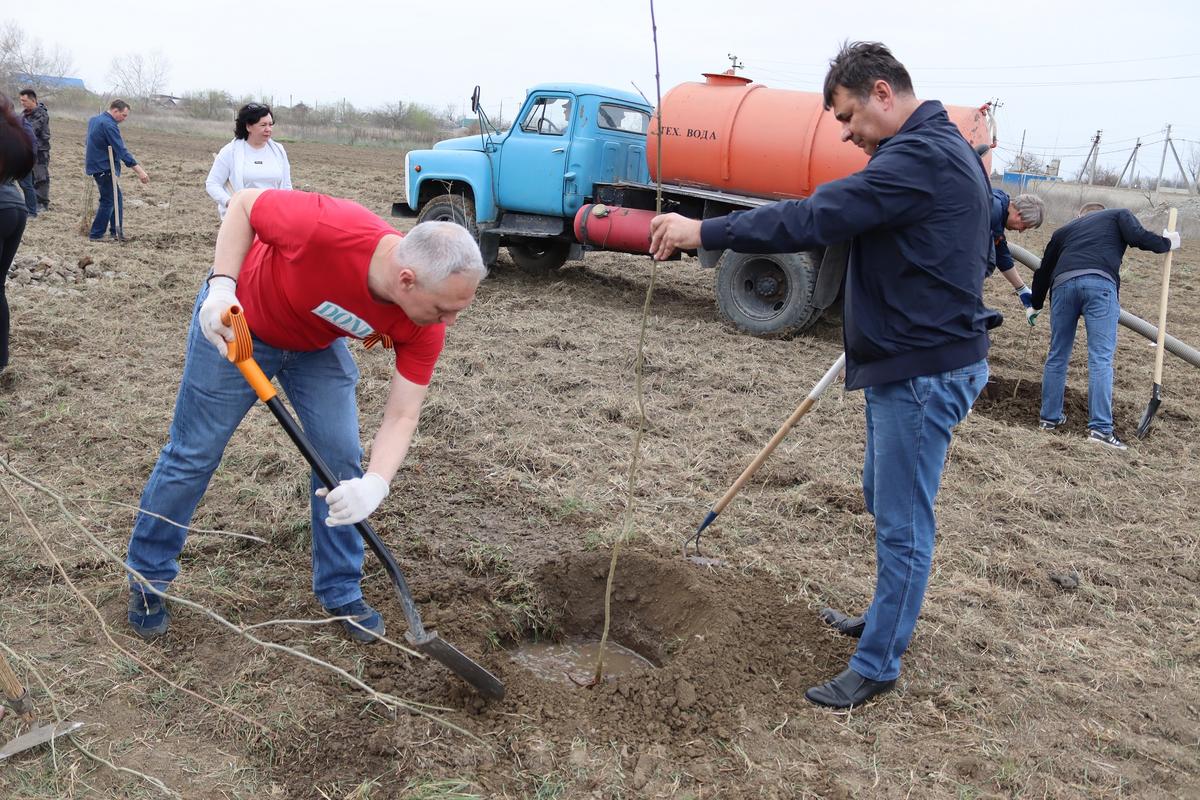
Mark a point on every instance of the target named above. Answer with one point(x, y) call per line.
point(1007, 66)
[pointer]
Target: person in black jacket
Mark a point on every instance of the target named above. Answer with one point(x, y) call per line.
point(914, 323)
point(1081, 269)
point(17, 157)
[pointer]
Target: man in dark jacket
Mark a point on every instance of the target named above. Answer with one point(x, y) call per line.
point(1018, 214)
point(102, 134)
point(39, 119)
point(1081, 268)
point(914, 323)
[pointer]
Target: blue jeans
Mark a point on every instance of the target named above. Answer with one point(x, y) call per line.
point(1094, 298)
point(105, 218)
point(213, 398)
point(909, 426)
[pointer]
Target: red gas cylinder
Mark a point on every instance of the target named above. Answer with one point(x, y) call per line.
point(625, 230)
point(737, 136)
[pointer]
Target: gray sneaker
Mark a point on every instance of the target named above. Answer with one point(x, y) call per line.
point(1049, 425)
point(1106, 439)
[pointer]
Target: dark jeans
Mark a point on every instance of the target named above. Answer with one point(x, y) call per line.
point(41, 179)
point(12, 226)
point(31, 201)
point(105, 218)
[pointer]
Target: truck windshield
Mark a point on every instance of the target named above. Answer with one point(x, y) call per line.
point(620, 118)
point(549, 116)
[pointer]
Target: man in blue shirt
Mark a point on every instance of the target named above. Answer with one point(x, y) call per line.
point(1081, 269)
point(102, 134)
point(914, 323)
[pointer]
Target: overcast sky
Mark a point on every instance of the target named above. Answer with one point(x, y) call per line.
point(1062, 70)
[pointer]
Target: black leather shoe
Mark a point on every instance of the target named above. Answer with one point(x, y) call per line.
point(847, 689)
point(847, 626)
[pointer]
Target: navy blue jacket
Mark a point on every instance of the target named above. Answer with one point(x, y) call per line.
point(1094, 241)
point(103, 133)
point(1004, 259)
point(918, 220)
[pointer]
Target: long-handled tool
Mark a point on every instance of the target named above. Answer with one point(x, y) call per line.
point(17, 698)
point(118, 227)
point(241, 353)
point(1143, 427)
point(791, 421)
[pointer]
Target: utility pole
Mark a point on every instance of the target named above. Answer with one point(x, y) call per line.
point(734, 64)
point(1088, 160)
point(1095, 158)
point(1021, 153)
point(1191, 184)
point(1163, 163)
point(1131, 160)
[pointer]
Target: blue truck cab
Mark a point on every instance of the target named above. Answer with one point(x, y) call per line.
point(521, 188)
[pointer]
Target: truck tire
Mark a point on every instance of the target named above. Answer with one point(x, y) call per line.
point(460, 210)
point(767, 294)
point(540, 257)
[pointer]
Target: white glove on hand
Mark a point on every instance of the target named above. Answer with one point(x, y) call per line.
point(220, 297)
point(354, 500)
point(1173, 238)
point(1031, 315)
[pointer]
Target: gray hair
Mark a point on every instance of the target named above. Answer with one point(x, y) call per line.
point(1088, 208)
point(1030, 208)
point(435, 250)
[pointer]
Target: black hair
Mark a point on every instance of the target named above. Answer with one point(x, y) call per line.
point(248, 115)
point(16, 148)
point(118, 105)
point(30, 93)
point(858, 65)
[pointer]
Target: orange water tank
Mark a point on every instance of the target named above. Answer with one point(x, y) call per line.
point(737, 136)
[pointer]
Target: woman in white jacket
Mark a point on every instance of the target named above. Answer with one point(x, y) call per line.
point(251, 160)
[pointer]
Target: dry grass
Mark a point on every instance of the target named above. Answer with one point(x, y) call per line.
point(1013, 687)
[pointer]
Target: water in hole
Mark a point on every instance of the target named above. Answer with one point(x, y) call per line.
point(553, 661)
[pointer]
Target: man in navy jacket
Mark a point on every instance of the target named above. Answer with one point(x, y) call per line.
point(102, 134)
point(1019, 213)
point(1082, 269)
point(914, 323)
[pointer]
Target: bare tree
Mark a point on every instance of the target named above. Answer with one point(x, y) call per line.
point(26, 61)
point(140, 76)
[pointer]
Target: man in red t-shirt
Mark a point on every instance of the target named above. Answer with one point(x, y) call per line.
point(308, 270)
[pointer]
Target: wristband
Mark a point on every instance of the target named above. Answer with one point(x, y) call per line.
point(208, 280)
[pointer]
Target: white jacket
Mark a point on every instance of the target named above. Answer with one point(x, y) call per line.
point(225, 177)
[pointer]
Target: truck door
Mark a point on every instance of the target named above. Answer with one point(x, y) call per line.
point(535, 156)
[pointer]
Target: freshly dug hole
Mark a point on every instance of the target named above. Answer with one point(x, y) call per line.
point(657, 605)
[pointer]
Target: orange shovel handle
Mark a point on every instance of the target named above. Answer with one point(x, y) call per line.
point(241, 353)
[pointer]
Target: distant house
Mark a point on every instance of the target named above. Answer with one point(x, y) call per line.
point(165, 100)
point(50, 81)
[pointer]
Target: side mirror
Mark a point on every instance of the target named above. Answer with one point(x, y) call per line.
point(475, 101)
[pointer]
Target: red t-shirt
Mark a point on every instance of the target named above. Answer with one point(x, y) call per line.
point(303, 285)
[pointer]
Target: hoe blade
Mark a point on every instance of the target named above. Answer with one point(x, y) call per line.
point(439, 649)
point(39, 735)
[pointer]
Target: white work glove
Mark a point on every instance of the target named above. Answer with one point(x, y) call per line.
point(354, 500)
point(1173, 238)
point(1026, 298)
point(220, 297)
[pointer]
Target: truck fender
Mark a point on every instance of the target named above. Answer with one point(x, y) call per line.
point(441, 171)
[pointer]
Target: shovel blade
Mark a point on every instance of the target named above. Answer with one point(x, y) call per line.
point(1143, 427)
point(39, 735)
point(457, 662)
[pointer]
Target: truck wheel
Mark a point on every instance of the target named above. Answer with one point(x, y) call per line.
point(461, 211)
point(540, 256)
point(767, 294)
